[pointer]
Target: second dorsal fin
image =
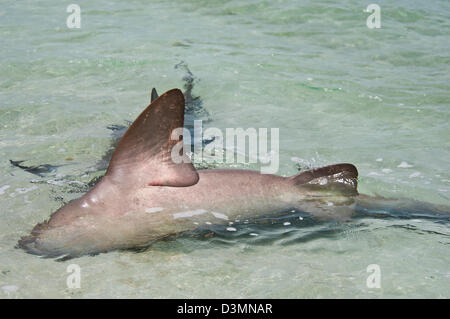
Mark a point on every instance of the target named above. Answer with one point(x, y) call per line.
point(154, 95)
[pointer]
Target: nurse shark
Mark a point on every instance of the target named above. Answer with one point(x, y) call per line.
point(146, 196)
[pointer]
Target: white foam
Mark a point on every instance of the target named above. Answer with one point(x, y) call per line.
point(76, 182)
point(253, 234)
point(53, 182)
point(3, 189)
point(373, 174)
point(26, 190)
point(404, 165)
point(231, 229)
point(286, 223)
point(154, 210)
point(189, 213)
point(415, 174)
point(386, 170)
point(220, 216)
point(379, 159)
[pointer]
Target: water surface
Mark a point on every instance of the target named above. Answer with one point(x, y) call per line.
point(338, 91)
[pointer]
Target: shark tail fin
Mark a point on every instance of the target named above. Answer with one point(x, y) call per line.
point(341, 177)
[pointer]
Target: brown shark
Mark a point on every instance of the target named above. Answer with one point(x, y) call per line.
point(145, 196)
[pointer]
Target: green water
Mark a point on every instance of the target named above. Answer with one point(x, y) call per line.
point(338, 91)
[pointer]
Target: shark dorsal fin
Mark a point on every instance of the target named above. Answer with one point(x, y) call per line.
point(154, 95)
point(143, 155)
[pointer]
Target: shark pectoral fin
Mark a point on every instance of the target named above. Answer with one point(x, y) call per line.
point(339, 177)
point(154, 95)
point(144, 156)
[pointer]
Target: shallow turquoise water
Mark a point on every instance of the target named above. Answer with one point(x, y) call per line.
point(337, 90)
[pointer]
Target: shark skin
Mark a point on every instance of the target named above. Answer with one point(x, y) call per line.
point(145, 196)
point(106, 218)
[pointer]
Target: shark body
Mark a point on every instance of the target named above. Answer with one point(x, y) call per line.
point(145, 196)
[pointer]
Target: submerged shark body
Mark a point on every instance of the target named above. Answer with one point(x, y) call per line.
point(146, 196)
point(108, 218)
